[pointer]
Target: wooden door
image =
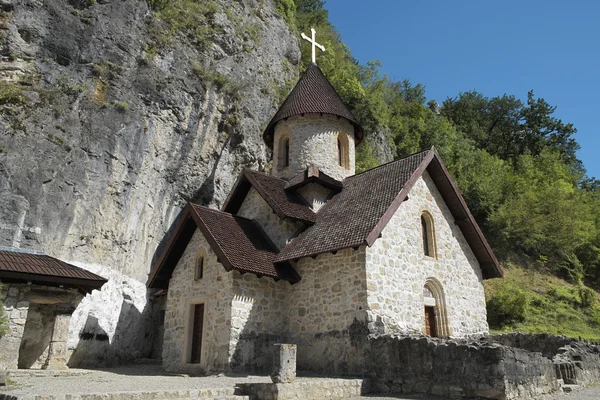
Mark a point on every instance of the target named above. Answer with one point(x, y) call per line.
point(197, 333)
point(430, 327)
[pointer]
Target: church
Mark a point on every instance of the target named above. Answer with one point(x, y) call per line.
point(318, 256)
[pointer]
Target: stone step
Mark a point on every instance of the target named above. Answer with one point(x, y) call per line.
point(148, 361)
point(234, 397)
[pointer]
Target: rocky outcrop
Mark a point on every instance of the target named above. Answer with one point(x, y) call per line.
point(107, 129)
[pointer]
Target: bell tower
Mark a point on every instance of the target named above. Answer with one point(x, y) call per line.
point(313, 128)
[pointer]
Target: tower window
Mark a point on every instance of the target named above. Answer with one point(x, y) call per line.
point(342, 150)
point(428, 235)
point(286, 153)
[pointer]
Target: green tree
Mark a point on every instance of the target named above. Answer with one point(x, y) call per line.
point(545, 214)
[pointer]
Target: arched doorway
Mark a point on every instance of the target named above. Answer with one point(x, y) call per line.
point(436, 321)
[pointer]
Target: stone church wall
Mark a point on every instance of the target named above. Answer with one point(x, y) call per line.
point(279, 230)
point(215, 291)
point(313, 141)
point(397, 270)
point(316, 195)
point(326, 308)
point(257, 321)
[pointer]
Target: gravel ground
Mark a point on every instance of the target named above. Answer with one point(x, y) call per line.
point(135, 378)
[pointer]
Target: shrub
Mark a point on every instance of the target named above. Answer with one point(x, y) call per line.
point(587, 296)
point(121, 106)
point(507, 306)
point(11, 94)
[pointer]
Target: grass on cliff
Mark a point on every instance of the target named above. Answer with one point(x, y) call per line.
point(537, 302)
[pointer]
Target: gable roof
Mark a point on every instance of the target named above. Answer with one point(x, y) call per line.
point(41, 269)
point(358, 214)
point(312, 94)
point(238, 242)
point(312, 174)
point(286, 204)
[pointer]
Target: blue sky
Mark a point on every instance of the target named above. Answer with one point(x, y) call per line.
point(552, 47)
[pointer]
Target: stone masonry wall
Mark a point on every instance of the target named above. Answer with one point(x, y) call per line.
point(258, 315)
point(31, 310)
point(324, 308)
point(315, 194)
point(279, 230)
point(457, 369)
point(397, 270)
point(215, 291)
point(313, 141)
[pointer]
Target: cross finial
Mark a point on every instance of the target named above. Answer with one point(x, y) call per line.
point(314, 44)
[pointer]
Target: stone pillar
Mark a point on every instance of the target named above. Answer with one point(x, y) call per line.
point(57, 351)
point(284, 363)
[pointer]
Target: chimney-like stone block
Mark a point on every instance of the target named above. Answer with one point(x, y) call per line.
point(284, 363)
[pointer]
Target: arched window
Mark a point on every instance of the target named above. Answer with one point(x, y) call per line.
point(282, 151)
point(199, 271)
point(286, 153)
point(436, 319)
point(342, 150)
point(427, 232)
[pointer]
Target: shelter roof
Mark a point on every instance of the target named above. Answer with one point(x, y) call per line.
point(21, 266)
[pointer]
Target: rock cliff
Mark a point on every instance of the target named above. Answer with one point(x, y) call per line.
point(112, 117)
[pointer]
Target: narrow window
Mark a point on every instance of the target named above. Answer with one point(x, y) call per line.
point(425, 231)
point(340, 155)
point(199, 269)
point(286, 153)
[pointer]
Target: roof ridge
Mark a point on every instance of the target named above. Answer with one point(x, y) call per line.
point(235, 216)
point(263, 174)
point(389, 162)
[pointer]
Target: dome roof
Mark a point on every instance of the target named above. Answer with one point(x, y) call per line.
point(312, 94)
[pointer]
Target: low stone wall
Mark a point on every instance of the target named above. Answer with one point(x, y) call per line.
point(307, 389)
point(458, 369)
point(580, 361)
point(575, 361)
point(546, 344)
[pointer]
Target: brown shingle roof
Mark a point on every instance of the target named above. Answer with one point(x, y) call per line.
point(349, 217)
point(286, 204)
point(46, 270)
point(310, 175)
point(238, 242)
point(358, 214)
point(312, 94)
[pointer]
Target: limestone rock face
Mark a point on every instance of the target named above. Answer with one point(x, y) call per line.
point(105, 134)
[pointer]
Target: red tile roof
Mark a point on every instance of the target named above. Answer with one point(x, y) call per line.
point(239, 244)
point(312, 94)
point(286, 204)
point(43, 269)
